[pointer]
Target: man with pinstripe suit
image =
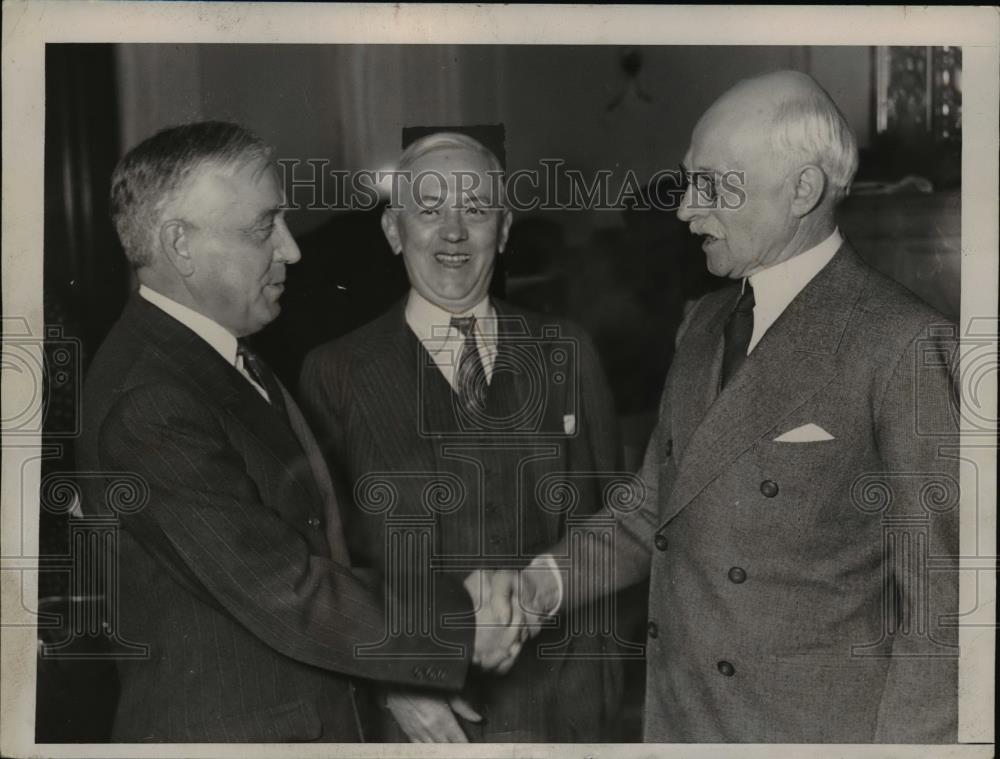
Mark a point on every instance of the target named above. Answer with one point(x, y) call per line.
point(452, 392)
point(235, 572)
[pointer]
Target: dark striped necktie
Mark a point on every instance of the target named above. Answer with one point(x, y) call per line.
point(739, 330)
point(470, 376)
point(261, 374)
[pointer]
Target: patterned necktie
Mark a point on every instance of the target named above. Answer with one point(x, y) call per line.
point(470, 376)
point(739, 329)
point(262, 375)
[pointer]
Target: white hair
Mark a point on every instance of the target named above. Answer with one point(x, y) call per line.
point(809, 126)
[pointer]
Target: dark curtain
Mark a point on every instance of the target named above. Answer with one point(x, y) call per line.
point(85, 285)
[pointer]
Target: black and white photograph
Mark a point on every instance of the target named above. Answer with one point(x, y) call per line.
point(557, 379)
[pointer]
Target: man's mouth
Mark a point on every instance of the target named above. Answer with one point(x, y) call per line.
point(709, 238)
point(452, 260)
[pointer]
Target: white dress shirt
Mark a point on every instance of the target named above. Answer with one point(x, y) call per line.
point(775, 287)
point(221, 339)
point(432, 326)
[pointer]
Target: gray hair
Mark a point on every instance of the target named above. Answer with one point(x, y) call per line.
point(150, 173)
point(809, 126)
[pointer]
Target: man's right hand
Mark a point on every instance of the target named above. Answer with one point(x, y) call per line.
point(430, 719)
point(500, 623)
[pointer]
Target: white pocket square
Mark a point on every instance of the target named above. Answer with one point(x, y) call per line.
point(569, 424)
point(807, 433)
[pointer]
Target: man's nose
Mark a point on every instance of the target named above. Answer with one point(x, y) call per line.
point(684, 211)
point(453, 227)
point(286, 250)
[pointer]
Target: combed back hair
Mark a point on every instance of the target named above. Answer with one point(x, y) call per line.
point(453, 141)
point(810, 127)
point(149, 174)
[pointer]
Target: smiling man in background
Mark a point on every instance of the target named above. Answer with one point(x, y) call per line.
point(803, 475)
point(459, 407)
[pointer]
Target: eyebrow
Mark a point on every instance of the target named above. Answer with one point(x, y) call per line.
point(699, 170)
point(268, 215)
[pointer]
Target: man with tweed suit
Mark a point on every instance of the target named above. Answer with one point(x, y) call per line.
point(800, 519)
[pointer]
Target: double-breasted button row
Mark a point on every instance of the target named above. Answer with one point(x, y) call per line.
point(427, 672)
point(769, 488)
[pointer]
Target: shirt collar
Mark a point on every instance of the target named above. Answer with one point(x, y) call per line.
point(432, 324)
point(213, 333)
point(775, 287)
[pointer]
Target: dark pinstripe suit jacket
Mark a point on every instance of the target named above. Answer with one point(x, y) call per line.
point(374, 398)
point(234, 572)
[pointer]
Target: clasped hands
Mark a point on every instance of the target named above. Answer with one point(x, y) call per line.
point(510, 606)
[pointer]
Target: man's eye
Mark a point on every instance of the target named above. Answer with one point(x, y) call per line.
point(265, 232)
point(474, 210)
point(705, 184)
point(428, 211)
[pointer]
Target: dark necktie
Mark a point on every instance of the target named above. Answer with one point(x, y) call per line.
point(262, 375)
point(470, 376)
point(739, 329)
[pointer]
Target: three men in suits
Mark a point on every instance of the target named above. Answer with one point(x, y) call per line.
point(234, 571)
point(460, 421)
point(800, 520)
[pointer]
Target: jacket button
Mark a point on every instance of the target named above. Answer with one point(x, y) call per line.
point(769, 488)
point(727, 669)
point(668, 447)
point(660, 541)
point(315, 522)
point(737, 575)
point(653, 630)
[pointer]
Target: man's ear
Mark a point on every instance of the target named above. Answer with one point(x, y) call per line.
point(174, 244)
point(505, 223)
point(810, 186)
point(391, 231)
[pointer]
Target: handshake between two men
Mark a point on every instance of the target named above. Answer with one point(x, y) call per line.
point(511, 606)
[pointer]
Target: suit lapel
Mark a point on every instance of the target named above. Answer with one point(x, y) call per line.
point(696, 370)
point(389, 370)
point(193, 358)
point(795, 360)
point(321, 477)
